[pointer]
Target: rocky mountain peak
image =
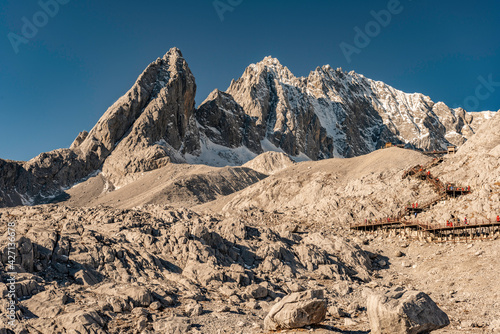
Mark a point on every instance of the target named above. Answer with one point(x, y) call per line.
point(269, 68)
point(343, 102)
point(174, 52)
point(164, 127)
point(329, 113)
point(271, 61)
point(216, 94)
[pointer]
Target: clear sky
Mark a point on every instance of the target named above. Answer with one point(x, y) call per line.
point(83, 56)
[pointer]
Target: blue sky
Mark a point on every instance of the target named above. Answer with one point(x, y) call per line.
point(84, 57)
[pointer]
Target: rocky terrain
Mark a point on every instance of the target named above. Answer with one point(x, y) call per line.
point(234, 217)
point(149, 269)
point(156, 269)
point(223, 263)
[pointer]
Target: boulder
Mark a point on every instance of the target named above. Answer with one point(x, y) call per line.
point(336, 312)
point(46, 304)
point(138, 295)
point(404, 312)
point(342, 288)
point(297, 310)
point(83, 321)
point(174, 325)
point(256, 291)
point(204, 273)
point(26, 253)
point(85, 277)
point(194, 310)
point(155, 305)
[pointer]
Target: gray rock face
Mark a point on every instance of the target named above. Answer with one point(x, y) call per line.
point(159, 106)
point(166, 123)
point(404, 312)
point(152, 124)
point(272, 94)
point(334, 113)
point(297, 310)
point(10, 174)
point(224, 122)
point(43, 177)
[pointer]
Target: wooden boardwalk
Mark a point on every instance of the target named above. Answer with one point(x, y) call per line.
point(445, 230)
point(416, 224)
point(451, 231)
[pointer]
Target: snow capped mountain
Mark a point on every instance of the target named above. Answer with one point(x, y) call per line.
point(330, 113)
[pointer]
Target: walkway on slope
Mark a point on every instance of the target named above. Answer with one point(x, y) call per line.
point(442, 192)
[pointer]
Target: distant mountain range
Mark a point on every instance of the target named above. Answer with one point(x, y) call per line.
point(328, 114)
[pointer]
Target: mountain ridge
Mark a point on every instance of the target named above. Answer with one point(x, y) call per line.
point(329, 113)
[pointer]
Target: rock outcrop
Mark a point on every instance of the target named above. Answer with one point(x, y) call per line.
point(223, 122)
point(40, 179)
point(270, 162)
point(297, 310)
point(404, 312)
point(159, 106)
point(151, 125)
point(165, 127)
